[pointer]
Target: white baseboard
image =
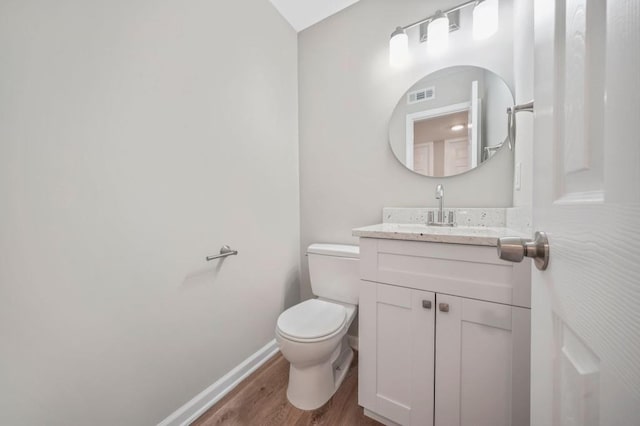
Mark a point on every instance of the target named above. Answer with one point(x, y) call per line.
point(353, 341)
point(193, 409)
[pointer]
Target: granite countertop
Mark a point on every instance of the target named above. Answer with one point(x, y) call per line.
point(469, 235)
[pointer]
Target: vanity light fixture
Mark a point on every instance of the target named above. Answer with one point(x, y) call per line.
point(398, 47)
point(485, 19)
point(485, 24)
point(438, 33)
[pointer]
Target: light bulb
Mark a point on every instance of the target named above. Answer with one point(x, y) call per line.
point(485, 19)
point(398, 48)
point(457, 127)
point(438, 33)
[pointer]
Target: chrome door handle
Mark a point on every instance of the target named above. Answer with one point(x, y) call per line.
point(514, 249)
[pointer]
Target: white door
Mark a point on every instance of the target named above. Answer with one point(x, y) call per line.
point(456, 156)
point(423, 158)
point(396, 356)
point(482, 363)
point(586, 306)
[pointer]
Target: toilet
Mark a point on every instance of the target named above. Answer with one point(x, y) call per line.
point(312, 335)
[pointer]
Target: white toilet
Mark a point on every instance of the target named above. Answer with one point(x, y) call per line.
point(312, 335)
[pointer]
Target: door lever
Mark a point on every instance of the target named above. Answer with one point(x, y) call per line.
point(514, 249)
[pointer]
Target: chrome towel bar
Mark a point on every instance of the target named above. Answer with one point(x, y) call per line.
point(224, 252)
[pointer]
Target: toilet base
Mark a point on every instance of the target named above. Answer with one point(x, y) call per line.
point(311, 387)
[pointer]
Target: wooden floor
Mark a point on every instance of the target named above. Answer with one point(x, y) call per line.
point(261, 400)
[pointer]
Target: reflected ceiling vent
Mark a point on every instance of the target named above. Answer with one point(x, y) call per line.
point(421, 95)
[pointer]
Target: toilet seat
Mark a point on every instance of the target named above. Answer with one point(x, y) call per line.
point(312, 320)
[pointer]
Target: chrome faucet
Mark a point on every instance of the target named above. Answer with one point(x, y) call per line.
point(441, 221)
point(440, 198)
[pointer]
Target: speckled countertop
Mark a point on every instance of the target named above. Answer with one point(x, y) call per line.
point(469, 235)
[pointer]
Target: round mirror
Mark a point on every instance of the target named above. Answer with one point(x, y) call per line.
point(451, 121)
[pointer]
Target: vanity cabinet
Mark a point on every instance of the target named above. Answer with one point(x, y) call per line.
point(442, 339)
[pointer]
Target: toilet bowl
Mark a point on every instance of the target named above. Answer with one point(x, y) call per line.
point(312, 335)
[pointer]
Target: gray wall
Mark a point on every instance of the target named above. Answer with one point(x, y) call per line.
point(347, 92)
point(137, 137)
point(495, 101)
point(523, 47)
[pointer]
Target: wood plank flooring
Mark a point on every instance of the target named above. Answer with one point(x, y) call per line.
point(261, 400)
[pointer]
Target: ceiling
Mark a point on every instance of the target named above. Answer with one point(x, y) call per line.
point(439, 128)
point(302, 14)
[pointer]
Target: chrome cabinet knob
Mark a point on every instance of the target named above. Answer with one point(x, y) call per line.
point(514, 249)
point(426, 304)
point(444, 307)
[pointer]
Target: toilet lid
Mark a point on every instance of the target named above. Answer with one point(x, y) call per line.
point(312, 319)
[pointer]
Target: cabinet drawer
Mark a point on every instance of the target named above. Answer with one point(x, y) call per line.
point(469, 271)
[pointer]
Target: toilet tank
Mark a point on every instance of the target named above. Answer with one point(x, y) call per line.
point(334, 270)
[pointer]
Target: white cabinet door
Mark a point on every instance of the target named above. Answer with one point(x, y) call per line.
point(396, 354)
point(482, 363)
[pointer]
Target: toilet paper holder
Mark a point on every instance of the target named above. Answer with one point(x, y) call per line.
point(224, 252)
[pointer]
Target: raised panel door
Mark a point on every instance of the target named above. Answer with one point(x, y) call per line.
point(586, 197)
point(397, 353)
point(482, 363)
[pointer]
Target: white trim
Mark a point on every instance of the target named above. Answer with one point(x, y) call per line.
point(193, 409)
point(421, 115)
point(475, 123)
